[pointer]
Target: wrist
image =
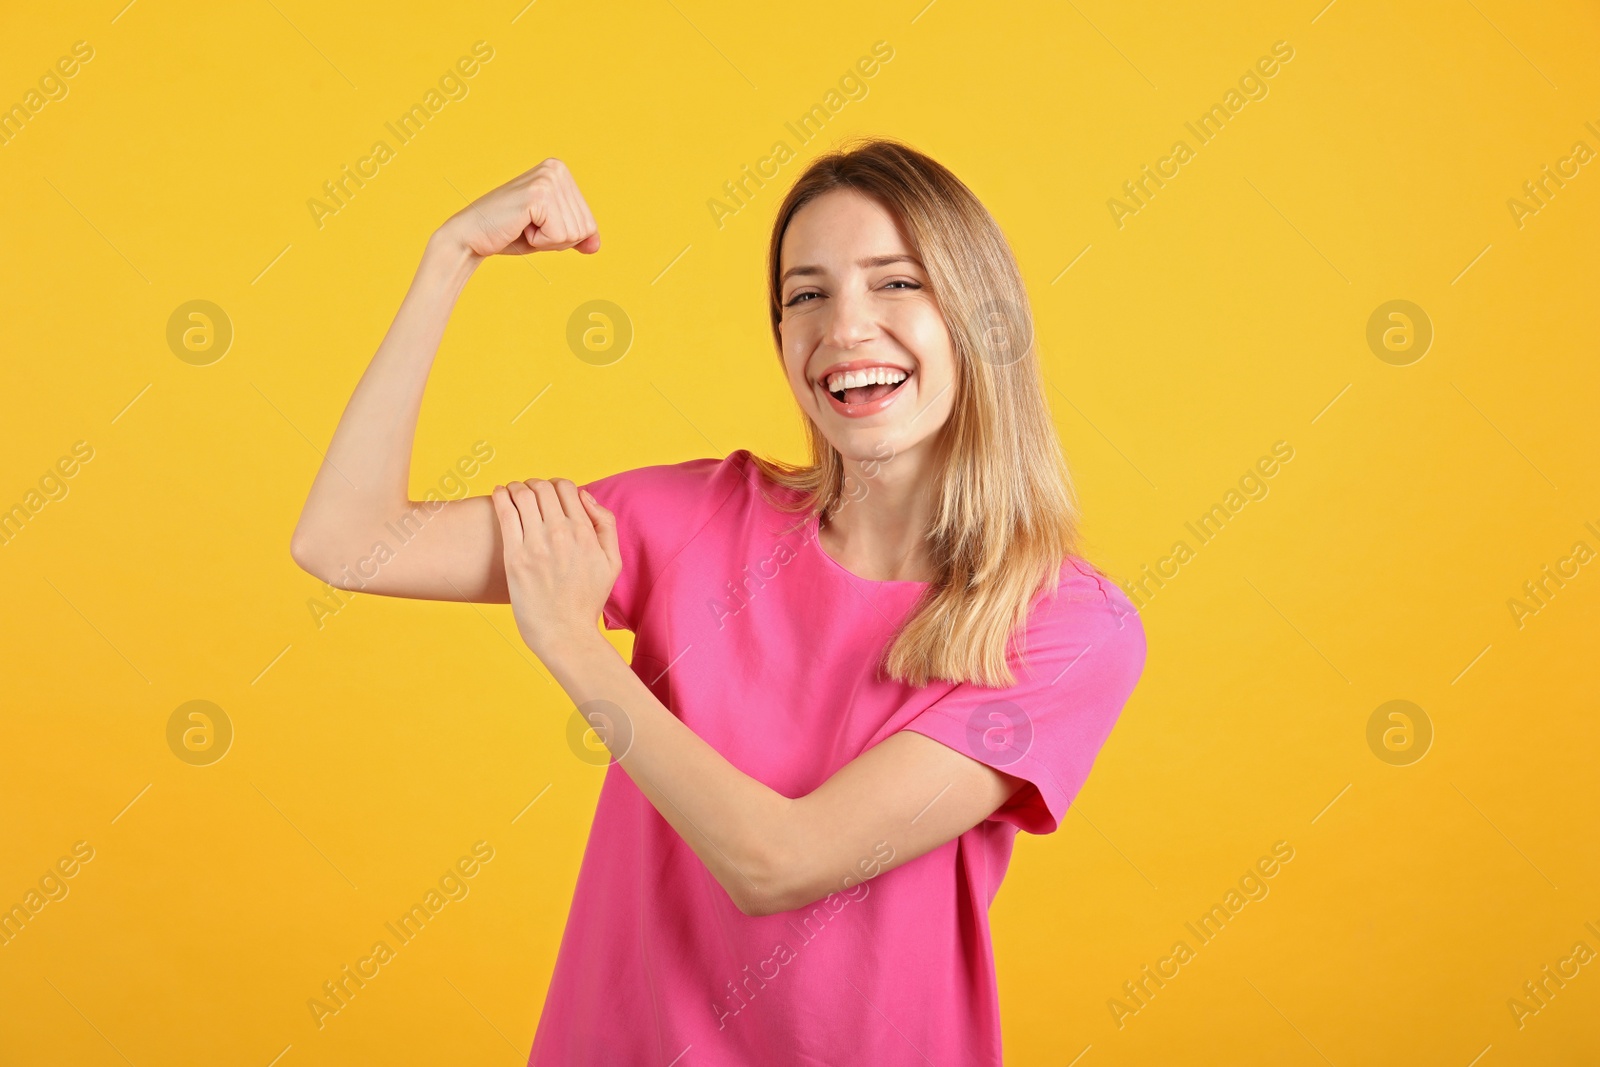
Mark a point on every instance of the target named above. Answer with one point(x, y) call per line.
point(559, 650)
point(449, 254)
point(581, 664)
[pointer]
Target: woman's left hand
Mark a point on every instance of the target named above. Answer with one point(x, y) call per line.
point(561, 560)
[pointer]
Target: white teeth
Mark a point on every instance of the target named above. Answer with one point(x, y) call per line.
point(869, 376)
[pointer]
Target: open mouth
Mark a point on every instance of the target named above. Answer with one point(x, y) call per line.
point(864, 387)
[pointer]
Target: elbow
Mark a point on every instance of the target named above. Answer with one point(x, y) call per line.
point(776, 885)
point(756, 894)
point(764, 883)
point(307, 552)
point(756, 902)
point(300, 551)
point(777, 899)
point(787, 871)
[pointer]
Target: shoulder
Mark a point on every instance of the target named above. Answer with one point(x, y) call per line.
point(677, 487)
point(1088, 610)
point(669, 502)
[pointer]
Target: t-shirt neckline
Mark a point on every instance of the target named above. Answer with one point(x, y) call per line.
point(814, 533)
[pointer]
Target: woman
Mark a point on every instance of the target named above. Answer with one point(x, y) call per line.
point(853, 681)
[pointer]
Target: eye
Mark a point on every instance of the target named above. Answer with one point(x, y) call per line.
point(904, 282)
point(799, 298)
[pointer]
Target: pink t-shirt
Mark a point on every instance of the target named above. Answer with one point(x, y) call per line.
point(766, 647)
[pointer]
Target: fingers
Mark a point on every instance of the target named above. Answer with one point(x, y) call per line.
point(505, 512)
point(527, 505)
point(550, 508)
point(541, 210)
point(555, 227)
point(570, 503)
point(567, 221)
point(556, 236)
point(554, 503)
point(605, 527)
point(590, 230)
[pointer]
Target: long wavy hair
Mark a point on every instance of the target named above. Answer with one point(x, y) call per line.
point(1005, 514)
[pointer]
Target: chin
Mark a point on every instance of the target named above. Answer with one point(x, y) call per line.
point(870, 444)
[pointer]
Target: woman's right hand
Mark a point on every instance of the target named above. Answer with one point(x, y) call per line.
point(537, 211)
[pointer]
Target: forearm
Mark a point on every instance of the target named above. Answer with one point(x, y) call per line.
point(364, 477)
point(735, 824)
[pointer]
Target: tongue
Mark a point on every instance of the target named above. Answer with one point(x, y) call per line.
point(865, 393)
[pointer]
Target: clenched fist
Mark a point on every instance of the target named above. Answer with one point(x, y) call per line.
point(538, 211)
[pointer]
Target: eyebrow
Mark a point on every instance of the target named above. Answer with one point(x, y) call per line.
point(870, 261)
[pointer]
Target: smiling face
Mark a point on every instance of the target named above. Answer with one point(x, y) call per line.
point(865, 346)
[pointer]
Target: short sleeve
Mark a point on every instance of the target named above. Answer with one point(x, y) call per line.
point(658, 510)
point(1084, 653)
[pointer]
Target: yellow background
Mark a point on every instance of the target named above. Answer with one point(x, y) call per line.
point(1228, 314)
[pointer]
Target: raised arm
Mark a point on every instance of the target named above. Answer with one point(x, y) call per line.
point(360, 495)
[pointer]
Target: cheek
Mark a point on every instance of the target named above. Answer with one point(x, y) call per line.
point(794, 364)
point(928, 339)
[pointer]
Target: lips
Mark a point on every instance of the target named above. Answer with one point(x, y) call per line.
point(861, 401)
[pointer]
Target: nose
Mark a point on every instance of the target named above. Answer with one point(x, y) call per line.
point(850, 320)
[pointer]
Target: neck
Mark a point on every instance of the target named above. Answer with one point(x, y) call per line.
point(876, 529)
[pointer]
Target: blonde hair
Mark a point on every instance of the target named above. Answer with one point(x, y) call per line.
point(1005, 512)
